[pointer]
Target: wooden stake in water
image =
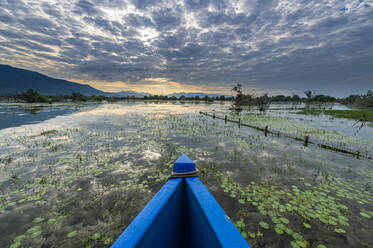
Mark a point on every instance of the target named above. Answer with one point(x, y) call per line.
point(225, 119)
point(213, 115)
point(265, 130)
point(239, 122)
point(305, 140)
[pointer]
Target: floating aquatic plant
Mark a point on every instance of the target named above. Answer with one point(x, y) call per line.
point(72, 234)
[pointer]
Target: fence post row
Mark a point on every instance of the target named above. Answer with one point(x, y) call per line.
point(305, 140)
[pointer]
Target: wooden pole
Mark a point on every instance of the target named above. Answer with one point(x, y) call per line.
point(358, 155)
point(225, 119)
point(213, 115)
point(265, 130)
point(239, 122)
point(305, 140)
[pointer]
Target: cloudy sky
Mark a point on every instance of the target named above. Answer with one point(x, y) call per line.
point(169, 46)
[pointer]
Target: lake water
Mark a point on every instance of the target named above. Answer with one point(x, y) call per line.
point(77, 179)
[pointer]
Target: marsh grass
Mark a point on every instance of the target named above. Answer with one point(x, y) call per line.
point(49, 132)
point(358, 114)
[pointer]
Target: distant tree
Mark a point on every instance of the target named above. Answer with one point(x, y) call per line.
point(323, 98)
point(367, 99)
point(262, 100)
point(295, 98)
point(308, 93)
point(33, 96)
point(351, 99)
point(196, 98)
point(222, 98)
point(280, 98)
point(241, 99)
point(78, 97)
point(182, 97)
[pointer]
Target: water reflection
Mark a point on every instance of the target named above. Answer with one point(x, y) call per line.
point(77, 180)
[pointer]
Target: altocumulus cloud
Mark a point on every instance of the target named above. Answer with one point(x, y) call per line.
point(266, 45)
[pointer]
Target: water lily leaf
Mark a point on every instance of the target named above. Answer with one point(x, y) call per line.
point(339, 230)
point(294, 244)
point(95, 236)
point(51, 221)
point(38, 220)
point(263, 224)
point(297, 236)
point(284, 220)
point(365, 215)
point(72, 234)
point(252, 235)
point(35, 234)
point(108, 241)
point(306, 225)
point(302, 244)
point(279, 230)
point(15, 245)
point(19, 238)
point(33, 229)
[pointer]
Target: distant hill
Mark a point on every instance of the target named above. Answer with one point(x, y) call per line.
point(14, 80)
point(130, 93)
point(199, 94)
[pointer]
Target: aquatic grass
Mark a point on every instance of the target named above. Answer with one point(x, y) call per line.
point(302, 128)
point(357, 114)
point(117, 178)
point(49, 132)
point(310, 205)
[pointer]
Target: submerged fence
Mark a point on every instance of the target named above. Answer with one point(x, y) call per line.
point(306, 139)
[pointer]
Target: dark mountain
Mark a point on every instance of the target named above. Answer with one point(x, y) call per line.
point(15, 80)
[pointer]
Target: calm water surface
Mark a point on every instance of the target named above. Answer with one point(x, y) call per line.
point(78, 179)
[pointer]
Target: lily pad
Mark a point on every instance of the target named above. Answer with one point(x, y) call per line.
point(72, 234)
point(38, 220)
point(263, 224)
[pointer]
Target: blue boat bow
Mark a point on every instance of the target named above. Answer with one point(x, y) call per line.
point(182, 214)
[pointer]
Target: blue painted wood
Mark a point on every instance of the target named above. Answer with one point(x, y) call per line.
point(184, 165)
point(158, 224)
point(208, 224)
point(182, 214)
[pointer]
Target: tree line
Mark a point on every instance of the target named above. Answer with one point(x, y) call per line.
point(239, 99)
point(32, 96)
point(242, 99)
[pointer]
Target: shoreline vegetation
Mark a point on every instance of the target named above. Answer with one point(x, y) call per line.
point(240, 99)
point(356, 114)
